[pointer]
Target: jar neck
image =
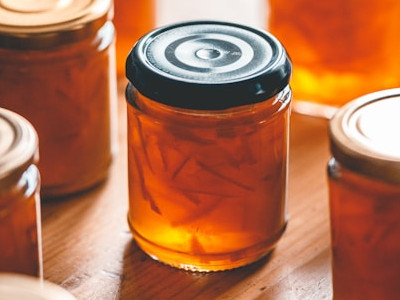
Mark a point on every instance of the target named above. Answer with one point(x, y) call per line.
point(87, 47)
point(257, 112)
point(99, 33)
point(362, 182)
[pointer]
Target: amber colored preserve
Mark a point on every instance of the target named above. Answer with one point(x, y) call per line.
point(207, 189)
point(341, 49)
point(19, 251)
point(132, 19)
point(20, 229)
point(61, 77)
point(208, 121)
point(365, 236)
point(64, 95)
point(364, 189)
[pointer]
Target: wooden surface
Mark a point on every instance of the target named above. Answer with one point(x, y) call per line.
point(88, 248)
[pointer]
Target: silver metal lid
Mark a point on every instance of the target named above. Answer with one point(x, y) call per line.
point(215, 53)
point(208, 65)
point(18, 147)
point(365, 135)
point(42, 23)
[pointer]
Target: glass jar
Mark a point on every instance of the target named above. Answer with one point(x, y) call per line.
point(343, 49)
point(57, 70)
point(20, 233)
point(208, 119)
point(364, 182)
point(133, 18)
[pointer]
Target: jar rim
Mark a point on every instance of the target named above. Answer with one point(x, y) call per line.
point(250, 115)
point(18, 146)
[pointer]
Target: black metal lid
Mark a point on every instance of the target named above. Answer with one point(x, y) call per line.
point(208, 65)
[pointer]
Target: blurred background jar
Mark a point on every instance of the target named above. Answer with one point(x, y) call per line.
point(340, 49)
point(20, 234)
point(248, 12)
point(58, 70)
point(132, 19)
point(364, 189)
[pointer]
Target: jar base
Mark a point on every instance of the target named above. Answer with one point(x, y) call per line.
point(207, 262)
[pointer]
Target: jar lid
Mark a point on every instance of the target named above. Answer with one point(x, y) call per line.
point(208, 65)
point(365, 137)
point(37, 24)
point(18, 147)
point(23, 287)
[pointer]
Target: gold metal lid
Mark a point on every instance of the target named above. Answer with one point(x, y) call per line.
point(23, 287)
point(38, 24)
point(18, 147)
point(365, 135)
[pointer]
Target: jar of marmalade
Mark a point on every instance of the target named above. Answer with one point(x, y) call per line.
point(364, 181)
point(57, 70)
point(20, 234)
point(344, 49)
point(208, 115)
point(133, 18)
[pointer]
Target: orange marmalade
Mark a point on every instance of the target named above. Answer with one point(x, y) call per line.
point(20, 246)
point(208, 119)
point(57, 70)
point(364, 181)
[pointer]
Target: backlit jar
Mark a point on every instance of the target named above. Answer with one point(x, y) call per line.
point(342, 49)
point(133, 18)
point(58, 71)
point(20, 246)
point(208, 119)
point(364, 181)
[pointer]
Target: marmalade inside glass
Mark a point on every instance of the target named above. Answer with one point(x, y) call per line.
point(207, 189)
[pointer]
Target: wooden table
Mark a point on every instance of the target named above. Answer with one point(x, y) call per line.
point(89, 250)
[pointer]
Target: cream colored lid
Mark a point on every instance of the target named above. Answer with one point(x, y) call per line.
point(44, 20)
point(365, 135)
point(22, 287)
point(18, 147)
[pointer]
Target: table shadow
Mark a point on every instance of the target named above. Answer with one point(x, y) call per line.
point(145, 278)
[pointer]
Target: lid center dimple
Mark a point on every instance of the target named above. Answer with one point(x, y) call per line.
point(31, 6)
point(207, 53)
